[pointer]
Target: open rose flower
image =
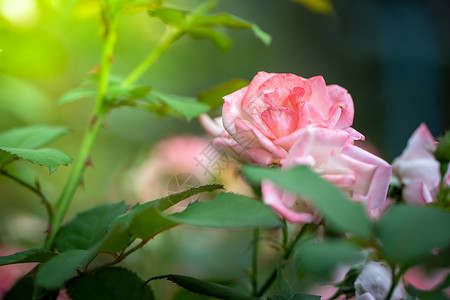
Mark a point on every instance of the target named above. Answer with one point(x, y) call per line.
point(417, 168)
point(264, 119)
point(363, 176)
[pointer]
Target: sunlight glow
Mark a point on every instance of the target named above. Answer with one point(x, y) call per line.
point(22, 13)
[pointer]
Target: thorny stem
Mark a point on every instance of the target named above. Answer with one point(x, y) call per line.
point(170, 36)
point(286, 256)
point(90, 135)
point(35, 189)
point(124, 255)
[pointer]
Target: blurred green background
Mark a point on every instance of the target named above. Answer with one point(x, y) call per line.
point(392, 56)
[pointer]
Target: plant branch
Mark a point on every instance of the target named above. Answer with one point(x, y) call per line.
point(395, 279)
point(91, 133)
point(35, 189)
point(286, 256)
point(169, 37)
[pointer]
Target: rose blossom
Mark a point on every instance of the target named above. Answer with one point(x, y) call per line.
point(418, 169)
point(264, 119)
point(374, 282)
point(363, 176)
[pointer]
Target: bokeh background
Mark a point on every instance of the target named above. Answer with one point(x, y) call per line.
point(392, 56)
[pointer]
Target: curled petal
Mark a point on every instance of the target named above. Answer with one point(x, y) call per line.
point(213, 127)
point(262, 139)
point(380, 182)
point(260, 156)
point(253, 88)
point(234, 149)
point(273, 196)
point(341, 98)
point(231, 110)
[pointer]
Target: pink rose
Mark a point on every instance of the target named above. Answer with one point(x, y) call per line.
point(264, 119)
point(417, 168)
point(363, 176)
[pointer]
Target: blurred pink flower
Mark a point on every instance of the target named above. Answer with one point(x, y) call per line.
point(264, 119)
point(418, 169)
point(174, 156)
point(427, 281)
point(363, 176)
point(9, 274)
point(181, 162)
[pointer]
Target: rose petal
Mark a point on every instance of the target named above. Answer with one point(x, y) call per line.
point(267, 144)
point(381, 178)
point(260, 156)
point(272, 196)
point(341, 98)
point(282, 121)
point(253, 92)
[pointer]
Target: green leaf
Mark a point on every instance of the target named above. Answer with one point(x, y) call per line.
point(319, 6)
point(222, 19)
point(109, 284)
point(182, 294)
point(205, 287)
point(31, 137)
point(261, 34)
point(31, 255)
point(342, 213)
point(51, 158)
point(149, 223)
point(140, 92)
point(169, 201)
point(76, 94)
point(186, 106)
point(228, 210)
point(55, 272)
point(116, 239)
point(229, 21)
point(170, 16)
point(214, 96)
point(409, 233)
point(293, 296)
point(322, 258)
point(88, 228)
point(146, 220)
point(139, 6)
point(221, 41)
point(442, 152)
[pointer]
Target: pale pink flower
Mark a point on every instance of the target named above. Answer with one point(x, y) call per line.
point(427, 281)
point(363, 176)
point(374, 282)
point(181, 162)
point(172, 157)
point(264, 119)
point(418, 169)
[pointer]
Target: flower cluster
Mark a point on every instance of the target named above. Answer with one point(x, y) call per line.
point(287, 120)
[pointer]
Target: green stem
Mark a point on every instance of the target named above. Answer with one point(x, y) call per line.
point(170, 36)
point(395, 279)
point(90, 135)
point(286, 256)
point(255, 261)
